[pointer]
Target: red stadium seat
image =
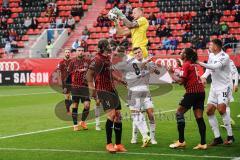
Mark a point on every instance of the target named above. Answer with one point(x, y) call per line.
point(88, 2)
point(25, 38)
point(85, 7)
point(10, 20)
point(151, 28)
point(20, 44)
point(227, 13)
point(98, 29)
point(105, 29)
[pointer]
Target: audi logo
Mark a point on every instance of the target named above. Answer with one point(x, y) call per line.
point(9, 66)
point(167, 62)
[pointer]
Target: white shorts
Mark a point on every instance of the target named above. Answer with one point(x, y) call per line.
point(139, 101)
point(219, 96)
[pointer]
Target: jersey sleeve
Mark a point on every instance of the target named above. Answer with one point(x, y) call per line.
point(222, 61)
point(96, 65)
point(234, 72)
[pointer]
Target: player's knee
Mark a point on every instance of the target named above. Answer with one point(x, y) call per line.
point(111, 115)
point(67, 97)
point(210, 110)
point(222, 108)
point(151, 118)
point(87, 106)
point(180, 117)
point(75, 105)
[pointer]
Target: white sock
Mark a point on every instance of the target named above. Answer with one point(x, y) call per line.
point(152, 127)
point(134, 130)
point(227, 122)
point(140, 122)
point(228, 111)
point(214, 124)
point(97, 115)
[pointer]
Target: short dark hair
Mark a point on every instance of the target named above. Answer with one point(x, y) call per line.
point(217, 42)
point(136, 48)
point(191, 55)
point(103, 45)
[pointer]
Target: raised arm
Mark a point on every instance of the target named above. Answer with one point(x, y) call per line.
point(120, 30)
point(223, 61)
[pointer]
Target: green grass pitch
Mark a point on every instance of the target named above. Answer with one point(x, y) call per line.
point(31, 109)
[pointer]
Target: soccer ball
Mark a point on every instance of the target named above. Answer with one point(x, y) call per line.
point(111, 15)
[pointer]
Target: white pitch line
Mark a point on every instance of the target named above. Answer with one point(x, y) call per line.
point(41, 131)
point(59, 128)
point(124, 153)
point(9, 95)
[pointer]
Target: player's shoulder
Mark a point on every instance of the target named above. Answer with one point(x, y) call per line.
point(186, 64)
point(224, 56)
point(143, 19)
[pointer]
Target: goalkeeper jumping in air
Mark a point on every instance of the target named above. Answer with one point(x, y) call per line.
point(137, 29)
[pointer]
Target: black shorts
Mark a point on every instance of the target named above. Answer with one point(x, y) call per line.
point(80, 94)
point(109, 100)
point(195, 100)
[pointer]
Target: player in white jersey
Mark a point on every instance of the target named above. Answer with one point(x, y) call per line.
point(233, 86)
point(137, 74)
point(219, 96)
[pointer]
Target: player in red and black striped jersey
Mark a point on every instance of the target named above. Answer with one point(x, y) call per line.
point(65, 80)
point(194, 97)
point(77, 70)
point(100, 74)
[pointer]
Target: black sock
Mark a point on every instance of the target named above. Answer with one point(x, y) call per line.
point(109, 125)
point(85, 113)
point(75, 116)
point(202, 129)
point(118, 132)
point(68, 104)
point(181, 127)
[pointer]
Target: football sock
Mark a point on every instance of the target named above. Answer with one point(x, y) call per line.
point(118, 132)
point(68, 104)
point(227, 122)
point(181, 126)
point(134, 130)
point(214, 124)
point(140, 122)
point(85, 113)
point(228, 111)
point(75, 116)
point(108, 127)
point(202, 129)
point(97, 115)
point(152, 127)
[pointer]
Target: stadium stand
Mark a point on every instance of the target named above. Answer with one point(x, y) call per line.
point(42, 15)
point(185, 21)
point(174, 24)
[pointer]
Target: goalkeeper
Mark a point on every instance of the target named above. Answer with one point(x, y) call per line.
point(137, 29)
